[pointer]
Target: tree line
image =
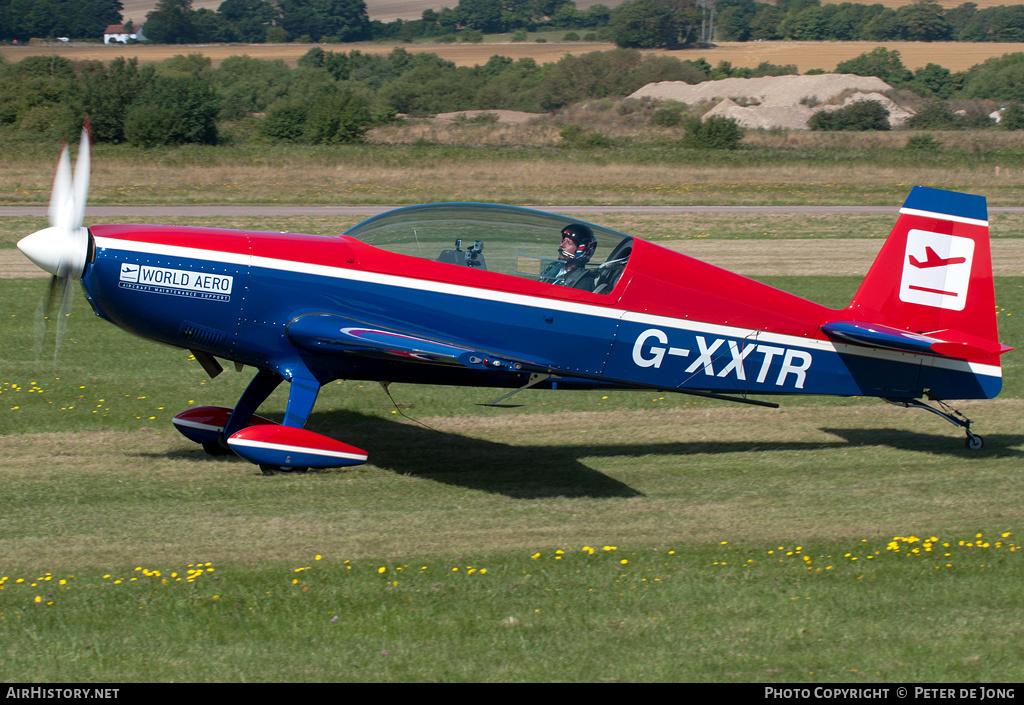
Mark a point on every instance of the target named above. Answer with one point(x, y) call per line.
point(175, 22)
point(747, 20)
point(23, 19)
point(635, 23)
point(335, 97)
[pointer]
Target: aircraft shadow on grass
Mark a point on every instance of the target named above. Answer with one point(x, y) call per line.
point(533, 472)
point(1006, 445)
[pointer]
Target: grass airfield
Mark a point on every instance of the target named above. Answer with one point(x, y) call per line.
point(827, 541)
point(588, 536)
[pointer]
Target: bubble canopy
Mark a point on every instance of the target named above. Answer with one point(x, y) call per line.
point(495, 238)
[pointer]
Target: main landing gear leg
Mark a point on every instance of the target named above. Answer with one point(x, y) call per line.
point(261, 387)
point(302, 396)
point(972, 442)
point(286, 448)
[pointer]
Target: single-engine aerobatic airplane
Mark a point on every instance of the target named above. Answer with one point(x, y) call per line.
point(398, 299)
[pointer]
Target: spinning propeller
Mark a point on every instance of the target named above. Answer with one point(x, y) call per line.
point(62, 248)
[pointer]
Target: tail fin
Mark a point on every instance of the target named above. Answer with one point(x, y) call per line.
point(933, 278)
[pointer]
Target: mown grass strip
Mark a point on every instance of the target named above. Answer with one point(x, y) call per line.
point(869, 611)
point(406, 174)
point(96, 483)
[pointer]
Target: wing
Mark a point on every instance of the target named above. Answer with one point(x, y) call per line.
point(329, 334)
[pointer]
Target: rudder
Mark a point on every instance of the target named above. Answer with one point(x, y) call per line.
point(933, 275)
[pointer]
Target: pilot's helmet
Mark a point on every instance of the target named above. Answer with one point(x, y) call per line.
point(585, 241)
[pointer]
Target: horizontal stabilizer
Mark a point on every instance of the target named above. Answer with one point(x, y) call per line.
point(944, 343)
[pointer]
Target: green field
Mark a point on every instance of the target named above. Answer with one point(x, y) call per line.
point(749, 544)
point(834, 169)
point(587, 536)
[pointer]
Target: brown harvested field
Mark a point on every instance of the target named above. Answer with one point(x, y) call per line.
point(956, 56)
point(461, 54)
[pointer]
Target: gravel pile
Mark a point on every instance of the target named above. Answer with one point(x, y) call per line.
point(777, 102)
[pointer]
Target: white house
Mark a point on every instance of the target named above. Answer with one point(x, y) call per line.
point(117, 33)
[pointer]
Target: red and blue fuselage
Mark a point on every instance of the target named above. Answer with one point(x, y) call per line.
point(335, 307)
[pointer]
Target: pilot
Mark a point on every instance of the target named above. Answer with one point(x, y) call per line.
point(576, 249)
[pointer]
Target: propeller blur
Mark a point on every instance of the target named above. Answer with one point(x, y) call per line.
point(539, 300)
point(62, 248)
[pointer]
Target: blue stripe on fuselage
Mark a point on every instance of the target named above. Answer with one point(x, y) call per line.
point(672, 355)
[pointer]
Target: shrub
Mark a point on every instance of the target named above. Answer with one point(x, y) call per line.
point(666, 118)
point(923, 143)
point(46, 119)
point(716, 132)
point(276, 35)
point(995, 79)
point(939, 116)
point(933, 116)
point(148, 125)
point(338, 119)
point(576, 136)
point(285, 122)
point(864, 115)
point(1012, 118)
point(974, 120)
point(879, 62)
point(766, 68)
point(181, 109)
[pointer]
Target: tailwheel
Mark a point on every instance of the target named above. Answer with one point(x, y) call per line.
point(973, 441)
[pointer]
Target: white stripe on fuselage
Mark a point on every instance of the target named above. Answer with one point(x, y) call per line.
point(283, 265)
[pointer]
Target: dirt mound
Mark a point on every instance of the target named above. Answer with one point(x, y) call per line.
point(777, 102)
point(768, 117)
